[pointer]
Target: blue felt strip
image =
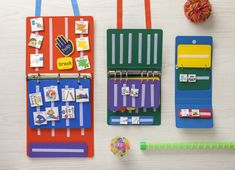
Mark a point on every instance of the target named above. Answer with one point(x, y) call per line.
point(76, 11)
point(38, 8)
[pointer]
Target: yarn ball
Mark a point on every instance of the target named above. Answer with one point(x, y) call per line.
point(119, 146)
point(197, 10)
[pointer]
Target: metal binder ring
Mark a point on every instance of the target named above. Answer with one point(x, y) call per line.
point(142, 77)
point(153, 76)
point(147, 75)
point(115, 77)
point(120, 76)
point(58, 78)
point(79, 78)
point(38, 78)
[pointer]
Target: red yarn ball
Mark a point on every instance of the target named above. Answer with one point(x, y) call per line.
point(197, 10)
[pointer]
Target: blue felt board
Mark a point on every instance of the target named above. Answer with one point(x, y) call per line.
point(192, 99)
point(61, 123)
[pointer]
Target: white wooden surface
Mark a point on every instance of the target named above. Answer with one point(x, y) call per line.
point(167, 15)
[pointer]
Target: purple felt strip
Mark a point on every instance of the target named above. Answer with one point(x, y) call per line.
point(57, 149)
point(138, 84)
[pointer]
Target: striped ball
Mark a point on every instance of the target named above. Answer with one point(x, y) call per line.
point(197, 10)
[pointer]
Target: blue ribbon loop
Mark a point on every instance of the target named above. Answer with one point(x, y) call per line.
point(74, 3)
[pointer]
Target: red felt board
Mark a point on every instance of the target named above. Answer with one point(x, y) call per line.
point(59, 29)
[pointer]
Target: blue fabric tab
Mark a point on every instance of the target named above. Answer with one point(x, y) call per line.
point(38, 8)
point(76, 11)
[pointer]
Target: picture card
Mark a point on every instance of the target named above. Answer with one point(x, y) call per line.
point(39, 118)
point(68, 112)
point(81, 27)
point(82, 95)
point(82, 44)
point(51, 94)
point(82, 63)
point(35, 41)
point(35, 99)
point(68, 94)
point(36, 60)
point(52, 113)
point(36, 24)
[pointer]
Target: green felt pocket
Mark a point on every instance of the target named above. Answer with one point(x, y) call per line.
point(203, 81)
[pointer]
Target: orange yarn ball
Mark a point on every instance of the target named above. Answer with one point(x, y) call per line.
point(197, 10)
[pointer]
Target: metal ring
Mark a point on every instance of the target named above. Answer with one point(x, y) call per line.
point(38, 79)
point(58, 78)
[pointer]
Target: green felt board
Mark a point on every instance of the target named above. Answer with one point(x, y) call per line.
point(199, 84)
point(153, 66)
point(135, 44)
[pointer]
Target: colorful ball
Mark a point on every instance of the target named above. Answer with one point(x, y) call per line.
point(197, 10)
point(119, 146)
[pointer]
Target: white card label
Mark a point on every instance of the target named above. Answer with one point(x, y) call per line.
point(52, 113)
point(35, 99)
point(81, 27)
point(51, 94)
point(39, 118)
point(183, 78)
point(36, 24)
point(82, 63)
point(82, 95)
point(68, 112)
point(134, 92)
point(35, 40)
point(125, 91)
point(82, 44)
point(68, 94)
point(36, 60)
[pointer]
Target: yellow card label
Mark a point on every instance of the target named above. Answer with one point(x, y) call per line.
point(194, 56)
point(65, 63)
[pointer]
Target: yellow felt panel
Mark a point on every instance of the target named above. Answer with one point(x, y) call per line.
point(194, 56)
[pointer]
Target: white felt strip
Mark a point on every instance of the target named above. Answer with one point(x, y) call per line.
point(203, 78)
point(155, 48)
point(148, 48)
point(152, 94)
point(121, 48)
point(81, 110)
point(82, 131)
point(124, 98)
point(129, 48)
point(113, 49)
point(50, 44)
point(140, 48)
point(80, 104)
point(57, 150)
point(38, 109)
point(133, 97)
point(81, 52)
point(67, 120)
point(193, 56)
point(115, 95)
point(52, 122)
point(66, 26)
point(36, 52)
point(143, 95)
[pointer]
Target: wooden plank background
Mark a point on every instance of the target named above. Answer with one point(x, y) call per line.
point(167, 15)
